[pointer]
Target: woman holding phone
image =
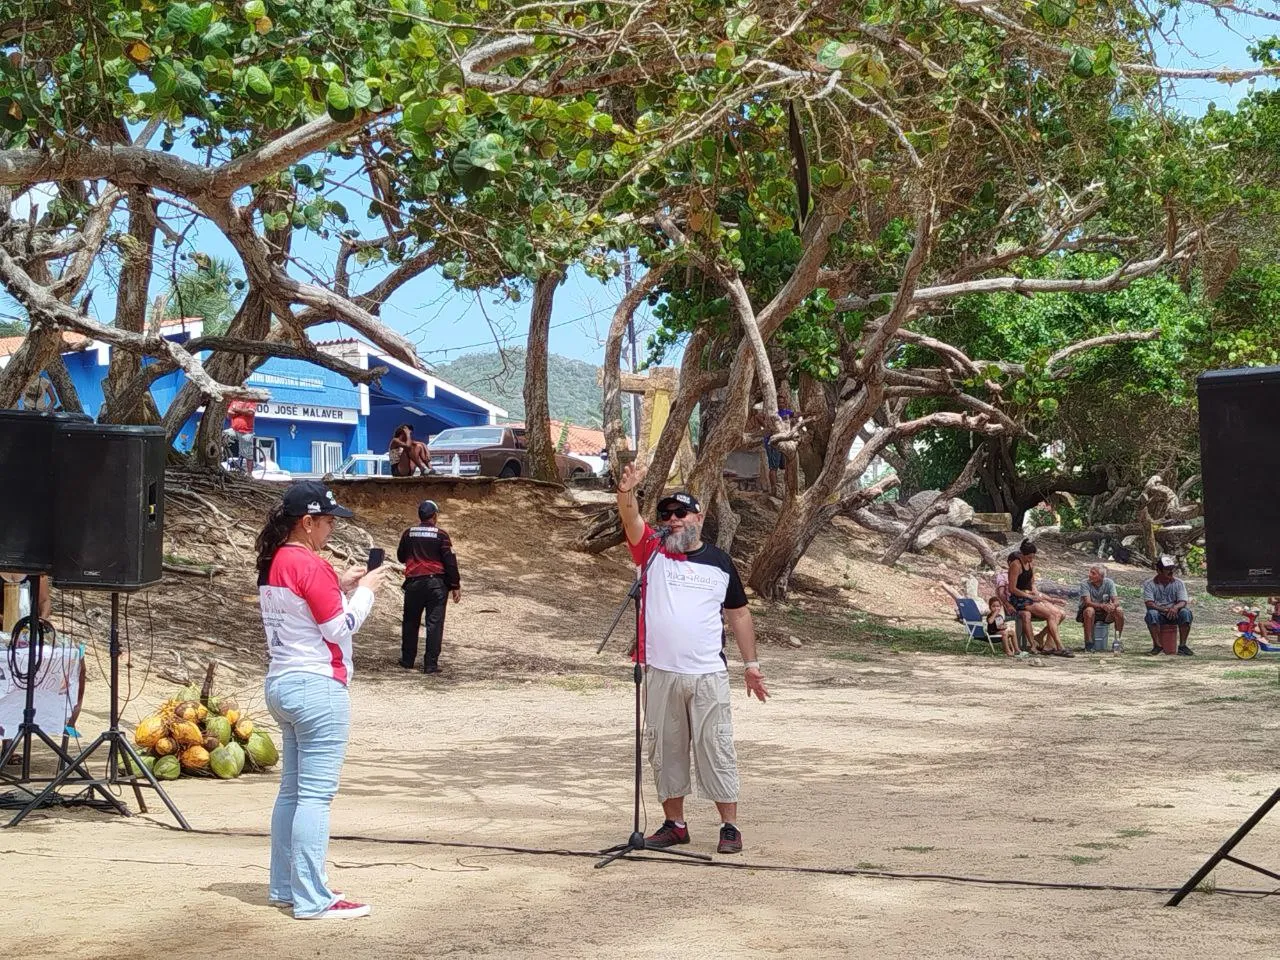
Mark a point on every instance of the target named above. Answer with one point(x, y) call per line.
point(310, 614)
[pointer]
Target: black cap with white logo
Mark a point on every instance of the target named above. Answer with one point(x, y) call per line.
point(679, 499)
point(312, 498)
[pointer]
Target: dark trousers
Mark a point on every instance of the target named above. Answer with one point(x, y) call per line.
point(423, 596)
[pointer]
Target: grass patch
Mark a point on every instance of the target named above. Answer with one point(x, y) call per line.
point(852, 655)
point(1022, 856)
point(1254, 673)
point(1135, 831)
point(1102, 845)
point(910, 640)
point(1157, 806)
point(868, 865)
point(916, 849)
point(1236, 778)
point(577, 684)
point(1080, 860)
point(1230, 699)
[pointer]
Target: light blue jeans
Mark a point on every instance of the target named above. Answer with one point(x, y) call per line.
point(314, 713)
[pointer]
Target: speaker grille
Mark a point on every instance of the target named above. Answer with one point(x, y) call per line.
point(1240, 464)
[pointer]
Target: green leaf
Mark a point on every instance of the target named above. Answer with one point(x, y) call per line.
point(602, 123)
point(337, 101)
point(724, 54)
point(255, 10)
point(832, 175)
point(744, 28)
point(542, 212)
point(834, 53)
point(1102, 59)
point(1056, 13)
point(217, 36)
point(180, 18)
point(275, 221)
point(201, 18)
point(164, 78)
point(1082, 63)
point(258, 85)
point(361, 95)
point(547, 149)
point(1048, 405)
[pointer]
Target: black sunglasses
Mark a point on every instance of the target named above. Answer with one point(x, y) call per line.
point(678, 512)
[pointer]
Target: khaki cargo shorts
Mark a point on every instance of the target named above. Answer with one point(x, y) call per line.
point(684, 711)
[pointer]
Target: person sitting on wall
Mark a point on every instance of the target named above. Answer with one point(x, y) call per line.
point(407, 454)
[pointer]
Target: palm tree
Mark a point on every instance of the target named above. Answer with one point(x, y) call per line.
point(208, 290)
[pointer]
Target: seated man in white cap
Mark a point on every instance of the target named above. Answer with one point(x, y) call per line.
point(1167, 603)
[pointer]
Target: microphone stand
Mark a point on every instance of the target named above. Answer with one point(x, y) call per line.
point(636, 842)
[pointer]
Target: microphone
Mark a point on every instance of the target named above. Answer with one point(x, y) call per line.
point(661, 533)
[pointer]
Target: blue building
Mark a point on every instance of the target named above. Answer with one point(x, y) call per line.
point(314, 418)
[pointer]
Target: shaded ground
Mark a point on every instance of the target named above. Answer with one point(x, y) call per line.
point(883, 749)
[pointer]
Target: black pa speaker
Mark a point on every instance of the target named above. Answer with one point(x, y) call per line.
point(1239, 463)
point(108, 501)
point(26, 484)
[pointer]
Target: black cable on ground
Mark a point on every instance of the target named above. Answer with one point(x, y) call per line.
point(762, 867)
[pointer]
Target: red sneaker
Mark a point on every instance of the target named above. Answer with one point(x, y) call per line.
point(730, 839)
point(343, 910)
point(667, 835)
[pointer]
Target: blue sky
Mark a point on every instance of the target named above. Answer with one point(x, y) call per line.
point(445, 323)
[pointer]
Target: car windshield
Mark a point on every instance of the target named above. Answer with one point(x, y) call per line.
point(468, 437)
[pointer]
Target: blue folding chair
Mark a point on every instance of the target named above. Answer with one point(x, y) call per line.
point(975, 624)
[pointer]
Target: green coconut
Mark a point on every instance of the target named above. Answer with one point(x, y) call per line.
point(262, 752)
point(237, 753)
point(219, 727)
point(148, 761)
point(167, 768)
point(223, 763)
point(189, 692)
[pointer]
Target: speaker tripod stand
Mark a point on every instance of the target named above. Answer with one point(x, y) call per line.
point(29, 729)
point(1224, 853)
point(636, 843)
point(118, 749)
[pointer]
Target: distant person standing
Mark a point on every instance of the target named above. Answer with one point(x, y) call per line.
point(430, 575)
point(241, 414)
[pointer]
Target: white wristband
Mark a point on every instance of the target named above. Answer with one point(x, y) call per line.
point(751, 664)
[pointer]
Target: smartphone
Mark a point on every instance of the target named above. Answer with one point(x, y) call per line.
point(376, 556)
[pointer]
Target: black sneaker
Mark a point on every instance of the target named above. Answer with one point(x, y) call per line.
point(430, 669)
point(730, 839)
point(1185, 651)
point(667, 835)
point(1154, 650)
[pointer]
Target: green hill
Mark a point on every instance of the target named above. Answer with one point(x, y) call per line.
point(573, 392)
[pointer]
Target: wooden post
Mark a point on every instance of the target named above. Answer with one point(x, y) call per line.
point(12, 597)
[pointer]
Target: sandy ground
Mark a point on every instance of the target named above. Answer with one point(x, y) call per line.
point(871, 757)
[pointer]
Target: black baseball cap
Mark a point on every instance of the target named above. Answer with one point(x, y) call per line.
point(312, 498)
point(427, 508)
point(679, 499)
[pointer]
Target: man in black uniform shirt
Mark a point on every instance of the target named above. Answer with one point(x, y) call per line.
point(430, 574)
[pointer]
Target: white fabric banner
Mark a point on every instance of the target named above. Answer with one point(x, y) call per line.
point(57, 690)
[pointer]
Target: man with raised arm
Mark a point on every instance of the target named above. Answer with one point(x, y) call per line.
point(690, 590)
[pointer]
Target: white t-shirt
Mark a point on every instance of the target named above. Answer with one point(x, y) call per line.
point(308, 622)
point(681, 628)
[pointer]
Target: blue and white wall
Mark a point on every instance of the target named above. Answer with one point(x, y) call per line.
point(315, 418)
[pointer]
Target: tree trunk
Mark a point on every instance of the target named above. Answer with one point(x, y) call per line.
point(541, 458)
point(36, 353)
point(251, 322)
point(131, 310)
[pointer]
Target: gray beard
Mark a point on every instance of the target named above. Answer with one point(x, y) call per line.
point(681, 541)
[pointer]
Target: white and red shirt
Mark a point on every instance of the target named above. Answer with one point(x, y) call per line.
point(308, 621)
point(681, 628)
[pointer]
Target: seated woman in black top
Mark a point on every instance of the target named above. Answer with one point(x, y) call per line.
point(1030, 603)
